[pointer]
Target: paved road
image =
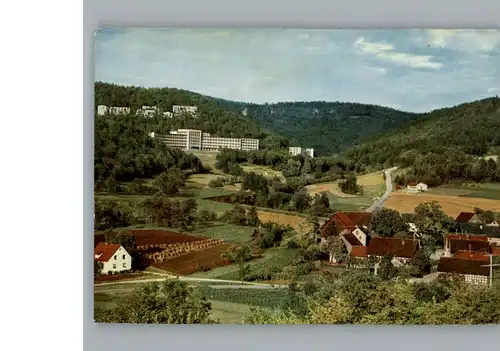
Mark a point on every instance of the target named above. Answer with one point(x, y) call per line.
point(388, 190)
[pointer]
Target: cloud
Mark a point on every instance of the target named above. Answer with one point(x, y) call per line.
point(385, 52)
point(464, 39)
point(387, 67)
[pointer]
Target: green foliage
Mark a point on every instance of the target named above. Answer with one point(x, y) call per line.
point(123, 151)
point(111, 214)
point(439, 146)
point(169, 183)
point(168, 302)
point(330, 126)
point(432, 222)
point(388, 222)
point(361, 298)
point(166, 212)
point(350, 185)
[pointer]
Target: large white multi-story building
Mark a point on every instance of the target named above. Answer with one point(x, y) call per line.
point(148, 111)
point(179, 109)
point(193, 139)
point(112, 110)
point(297, 150)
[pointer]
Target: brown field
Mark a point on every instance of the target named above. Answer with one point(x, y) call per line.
point(155, 237)
point(452, 205)
point(190, 262)
point(280, 218)
point(370, 180)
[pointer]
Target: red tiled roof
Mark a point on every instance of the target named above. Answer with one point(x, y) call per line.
point(359, 218)
point(462, 266)
point(469, 245)
point(351, 239)
point(467, 237)
point(495, 250)
point(347, 221)
point(359, 251)
point(105, 250)
point(380, 246)
point(464, 217)
point(471, 255)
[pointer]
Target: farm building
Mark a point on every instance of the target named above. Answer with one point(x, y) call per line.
point(415, 187)
point(347, 222)
point(473, 269)
point(468, 217)
point(402, 250)
point(113, 257)
point(453, 245)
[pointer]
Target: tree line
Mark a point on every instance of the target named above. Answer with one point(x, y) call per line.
point(442, 146)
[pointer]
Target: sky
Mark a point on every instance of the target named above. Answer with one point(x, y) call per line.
point(412, 70)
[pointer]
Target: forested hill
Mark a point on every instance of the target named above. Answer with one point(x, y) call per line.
point(444, 143)
point(329, 127)
point(213, 118)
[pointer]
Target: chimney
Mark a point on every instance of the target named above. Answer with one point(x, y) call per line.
point(470, 248)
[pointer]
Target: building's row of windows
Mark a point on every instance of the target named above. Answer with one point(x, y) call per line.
point(124, 265)
point(123, 257)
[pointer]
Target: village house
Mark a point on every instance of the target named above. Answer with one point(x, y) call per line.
point(348, 222)
point(472, 268)
point(402, 250)
point(415, 187)
point(466, 242)
point(468, 217)
point(114, 257)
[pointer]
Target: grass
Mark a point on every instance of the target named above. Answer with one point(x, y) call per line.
point(229, 312)
point(208, 158)
point(350, 204)
point(264, 170)
point(267, 298)
point(474, 190)
point(224, 231)
point(271, 257)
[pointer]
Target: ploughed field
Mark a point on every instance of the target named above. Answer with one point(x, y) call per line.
point(195, 261)
point(451, 205)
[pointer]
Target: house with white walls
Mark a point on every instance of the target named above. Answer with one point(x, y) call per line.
point(114, 258)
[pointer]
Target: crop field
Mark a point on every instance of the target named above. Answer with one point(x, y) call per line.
point(227, 232)
point(254, 297)
point(280, 218)
point(372, 183)
point(452, 205)
point(272, 257)
point(191, 262)
point(350, 204)
point(478, 190)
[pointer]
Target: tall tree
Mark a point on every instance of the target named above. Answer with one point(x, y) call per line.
point(388, 222)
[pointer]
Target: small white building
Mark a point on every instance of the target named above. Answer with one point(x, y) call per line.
point(179, 109)
point(297, 150)
point(416, 187)
point(112, 110)
point(113, 257)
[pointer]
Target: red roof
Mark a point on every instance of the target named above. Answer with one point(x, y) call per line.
point(359, 251)
point(381, 246)
point(467, 237)
point(495, 250)
point(456, 245)
point(347, 221)
point(462, 266)
point(471, 255)
point(351, 239)
point(465, 217)
point(105, 251)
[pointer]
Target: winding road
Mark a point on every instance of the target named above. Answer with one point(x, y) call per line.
point(388, 190)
